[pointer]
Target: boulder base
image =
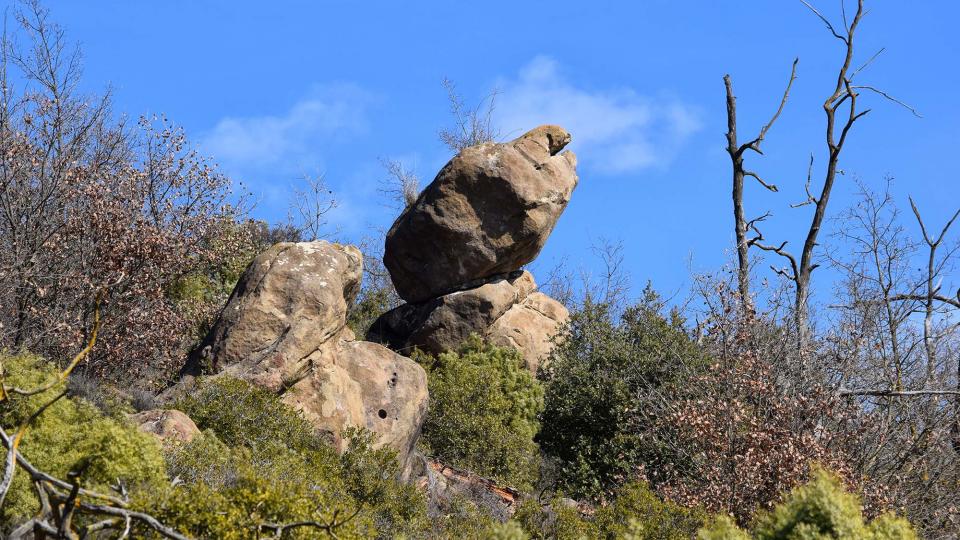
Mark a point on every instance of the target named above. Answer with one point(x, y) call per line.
point(505, 311)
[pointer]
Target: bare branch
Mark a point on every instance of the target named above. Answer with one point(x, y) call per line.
point(889, 97)
point(884, 392)
point(309, 207)
point(770, 187)
point(923, 228)
point(806, 187)
point(755, 144)
point(825, 21)
point(867, 63)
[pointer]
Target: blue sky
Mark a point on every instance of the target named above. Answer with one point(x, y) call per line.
point(275, 90)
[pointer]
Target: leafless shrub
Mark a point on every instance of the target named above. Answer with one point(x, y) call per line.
point(309, 207)
point(611, 285)
point(87, 202)
point(402, 185)
point(558, 283)
point(472, 126)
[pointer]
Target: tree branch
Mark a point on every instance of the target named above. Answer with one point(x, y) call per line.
point(883, 392)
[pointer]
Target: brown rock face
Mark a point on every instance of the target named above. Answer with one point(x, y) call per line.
point(489, 211)
point(284, 328)
point(289, 302)
point(366, 385)
point(505, 311)
point(169, 425)
point(530, 327)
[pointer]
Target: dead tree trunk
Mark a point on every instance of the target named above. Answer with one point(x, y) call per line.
point(845, 92)
point(741, 225)
point(932, 288)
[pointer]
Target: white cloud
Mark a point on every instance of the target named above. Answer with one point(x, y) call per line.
point(614, 131)
point(293, 138)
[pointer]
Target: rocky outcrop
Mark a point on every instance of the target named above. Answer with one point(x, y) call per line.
point(506, 311)
point(488, 212)
point(168, 425)
point(284, 310)
point(531, 327)
point(365, 385)
point(284, 329)
point(456, 254)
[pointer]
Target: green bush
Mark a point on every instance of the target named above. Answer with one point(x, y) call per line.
point(638, 513)
point(376, 298)
point(244, 415)
point(635, 514)
point(259, 461)
point(229, 492)
point(483, 412)
point(601, 386)
point(819, 510)
point(457, 518)
point(71, 435)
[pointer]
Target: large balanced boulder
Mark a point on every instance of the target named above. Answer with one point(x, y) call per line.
point(506, 311)
point(284, 329)
point(488, 212)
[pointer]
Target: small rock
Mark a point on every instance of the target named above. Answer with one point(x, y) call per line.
point(169, 425)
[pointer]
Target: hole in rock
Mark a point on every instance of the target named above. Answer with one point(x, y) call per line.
point(382, 413)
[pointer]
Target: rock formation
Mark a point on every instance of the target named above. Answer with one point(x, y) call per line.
point(284, 328)
point(455, 255)
point(488, 212)
point(505, 311)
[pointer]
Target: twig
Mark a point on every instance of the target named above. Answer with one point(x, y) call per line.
point(883, 392)
point(827, 22)
point(888, 96)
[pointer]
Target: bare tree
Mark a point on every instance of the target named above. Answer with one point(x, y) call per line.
point(472, 126)
point(309, 208)
point(402, 185)
point(86, 200)
point(934, 285)
point(839, 121)
point(896, 367)
point(875, 262)
point(612, 286)
point(736, 152)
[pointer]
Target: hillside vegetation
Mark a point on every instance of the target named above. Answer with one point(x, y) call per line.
point(172, 368)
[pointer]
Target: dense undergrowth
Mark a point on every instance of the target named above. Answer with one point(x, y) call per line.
point(257, 463)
